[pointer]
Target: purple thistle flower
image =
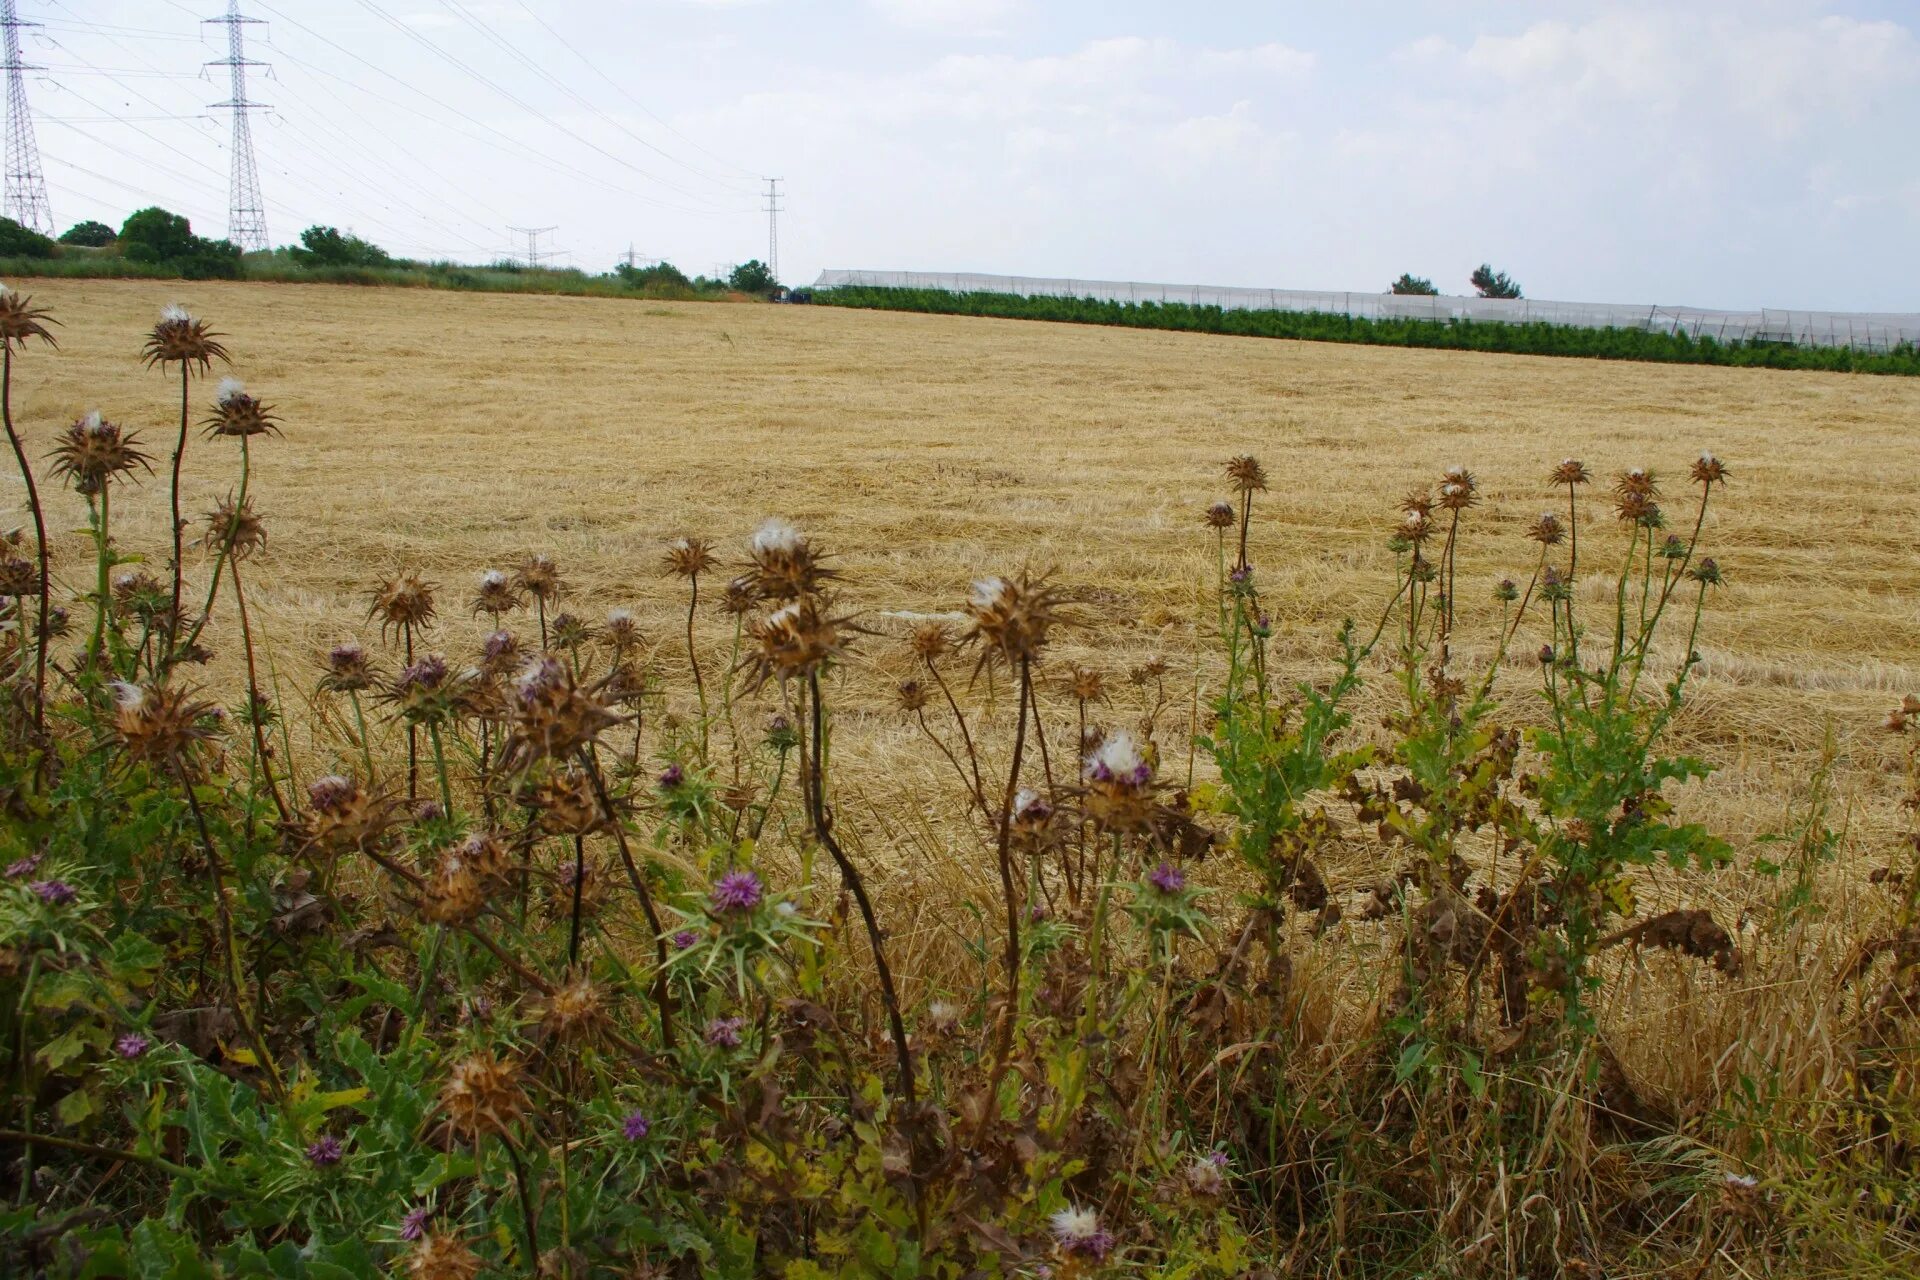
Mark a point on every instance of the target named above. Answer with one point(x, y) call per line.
point(414, 1225)
point(1079, 1231)
point(636, 1127)
point(671, 777)
point(724, 1033)
point(24, 867)
point(326, 1151)
point(684, 939)
point(735, 892)
point(428, 673)
point(54, 892)
point(1167, 878)
point(132, 1045)
point(1218, 1159)
point(429, 811)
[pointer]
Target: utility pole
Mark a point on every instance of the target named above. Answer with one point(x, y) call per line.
point(773, 228)
point(26, 198)
point(533, 235)
point(246, 210)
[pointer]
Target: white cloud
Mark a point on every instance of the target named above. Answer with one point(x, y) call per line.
point(975, 16)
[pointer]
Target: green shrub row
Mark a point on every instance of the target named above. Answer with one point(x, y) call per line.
point(1454, 335)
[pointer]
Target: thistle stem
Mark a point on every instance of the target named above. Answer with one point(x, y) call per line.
point(179, 526)
point(40, 550)
point(1004, 1046)
point(662, 994)
point(255, 705)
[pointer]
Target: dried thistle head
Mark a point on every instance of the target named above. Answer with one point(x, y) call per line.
point(238, 529)
point(137, 594)
point(344, 815)
point(456, 893)
point(782, 564)
point(1635, 482)
point(794, 641)
point(500, 653)
point(910, 696)
point(565, 802)
point(1220, 516)
point(1246, 474)
point(180, 338)
point(539, 577)
point(163, 726)
point(21, 320)
point(482, 1096)
point(573, 1015)
point(496, 594)
point(18, 577)
point(239, 415)
point(688, 557)
point(1458, 489)
point(931, 640)
point(550, 716)
point(1570, 472)
point(621, 630)
point(1415, 525)
point(738, 600)
point(570, 631)
point(559, 890)
point(1547, 530)
point(1087, 684)
point(1117, 784)
point(94, 451)
point(1708, 471)
point(347, 669)
point(403, 603)
point(427, 691)
point(442, 1255)
point(1012, 620)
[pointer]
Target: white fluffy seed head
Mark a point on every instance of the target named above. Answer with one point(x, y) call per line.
point(493, 579)
point(1118, 754)
point(174, 313)
point(987, 592)
point(91, 422)
point(229, 389)
point(1074, 1225)
point(128, 696)
point(774, 537)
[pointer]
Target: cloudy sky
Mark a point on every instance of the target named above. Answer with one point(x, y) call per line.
point(1706, 152)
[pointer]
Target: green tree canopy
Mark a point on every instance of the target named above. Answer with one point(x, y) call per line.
point(90, 235)
point(752, 276)
point(329, 247)
point(1493, 284)
point(17, 241)
point(1409, 283)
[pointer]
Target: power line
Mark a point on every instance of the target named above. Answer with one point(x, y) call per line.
point(773, 228)
point(533, 235)
point(246, 214)
point(26, 197)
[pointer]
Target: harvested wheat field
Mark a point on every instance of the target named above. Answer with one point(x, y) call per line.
point(456, 432)
point(452, 433)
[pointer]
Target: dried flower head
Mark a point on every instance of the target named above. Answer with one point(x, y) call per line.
point(570, 631)
point(1220, 516)
point(163, 726)
point(550, 715)
point(426, 691)
point(1087, 685)
point(1458, 489)
point(1709, 471)
point(482, 1096)
point(688, 557)
point(179, 338)
point(239, 415)
point(1246, 473)
point(566, 803)
point(1012, 619)
point(620, 630)
point(20, 320)
point(573, 1015)
point(403, 603)
point(782, 564)
point(794, 641)
point(931, 640)
point(1117, 778)
point(539, 577)
point(1570, 472)
point(910, 696)
point(238, 530)
point(441, 1256)
point(724, 1033)
point(18, 577)
point(1207, 1176)
point(737, 599)
point(496, 595)
point(500, 653)
point(93, 451)
point(1547, 530)
point(344, 816)
point(456, 893)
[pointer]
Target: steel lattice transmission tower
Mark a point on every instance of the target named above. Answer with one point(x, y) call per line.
point(773, 229)
point(246, 210)
point(26, 201)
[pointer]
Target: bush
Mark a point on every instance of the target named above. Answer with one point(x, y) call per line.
point(17, 241)
point(88, 235)
point(1412, 284)
point(328, 247)
point(752, 276)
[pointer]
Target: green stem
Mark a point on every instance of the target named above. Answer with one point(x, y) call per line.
point(40, 548)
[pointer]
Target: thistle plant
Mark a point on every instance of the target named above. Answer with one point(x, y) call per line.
point(181, 339)
point(21, 322)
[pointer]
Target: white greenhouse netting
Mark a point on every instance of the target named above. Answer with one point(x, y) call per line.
point(1863, 331)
